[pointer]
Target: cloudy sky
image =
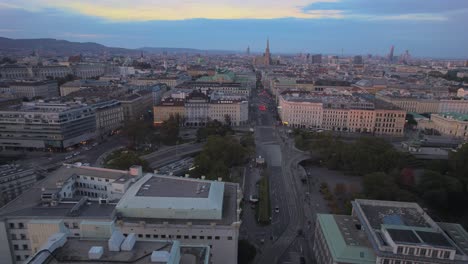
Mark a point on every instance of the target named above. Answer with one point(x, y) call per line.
point(429, 28)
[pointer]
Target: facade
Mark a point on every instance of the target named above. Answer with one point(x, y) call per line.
point(44, 126)
point(208, 87)
point(451, 124)
point(168, 107)
point(56, 71)
point(14, 180)
point(236, 108)
point(81, 70)
point(85, 202)
point(109, 117)
point(88, 70)
point(316, 59)
point(74, 86)
point(137, 105)
point(34, 89)
point(385, 232)
point(196, 108)
point(344, 113)
point(420, 106)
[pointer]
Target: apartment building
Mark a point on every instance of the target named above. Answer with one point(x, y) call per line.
point(136, 105)
point(344, 113)
point(420, 106)
point(453, 106)
point(14, 180)
point(77, 85)
point(208, 87)
point(109, 117)
point(85, 202)
point(168, 107)
point(232, 107)
point(385, 232)
point(197, 109)
point(34, 89)
point(46, 126)
point(88, 70)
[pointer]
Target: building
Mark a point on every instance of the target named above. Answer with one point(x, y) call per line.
point(357, 60)
point(74, 86)
point(62, 249)
point(451, 124)
point(316, 59)
point(51, 71)
point(137, 105)
point(385, 232)
point(88, 70)
point(46, 126)
point(208, 87)
point(264, 60)
point(453, 106)
point(88, 204)
point(346, 113)
point(232, 108)
point(197, 109)
point(34, 89)
point(168, 107)
point(14, 180)
point(109, 117)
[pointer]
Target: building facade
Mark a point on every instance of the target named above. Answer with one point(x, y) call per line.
point(451, 124)
point(46, 126)
point(14, 180)
point(109, 117)
point(34, 89)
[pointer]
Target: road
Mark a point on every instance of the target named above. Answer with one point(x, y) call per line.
point(289, 236)
point(171, 154)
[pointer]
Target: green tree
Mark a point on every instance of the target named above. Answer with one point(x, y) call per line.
point(138, 132)
point(170, 130)
point(246, 252)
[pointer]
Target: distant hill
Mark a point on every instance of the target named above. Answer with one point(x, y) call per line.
point(184, 50)
point(49, 46)
point(57, 47)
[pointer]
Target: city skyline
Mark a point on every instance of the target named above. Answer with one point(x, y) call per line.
point(357, 27)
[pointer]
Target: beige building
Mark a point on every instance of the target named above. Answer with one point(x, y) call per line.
point(451, 124)
point(34, 89)
point(390, 122)
point(301, 112)
point(236, 107)
point(453, 106)
point(361, 121)
point(167, 108)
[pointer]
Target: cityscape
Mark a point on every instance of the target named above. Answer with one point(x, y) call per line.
point(224, 132)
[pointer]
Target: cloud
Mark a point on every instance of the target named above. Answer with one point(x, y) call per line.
point(147, 10)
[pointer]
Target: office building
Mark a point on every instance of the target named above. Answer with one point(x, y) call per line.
point(357, 60)
point(46, 126)
point(91, 205)
point(137, 105)
point(385, 232)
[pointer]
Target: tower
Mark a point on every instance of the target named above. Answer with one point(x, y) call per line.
point(248, 50)
point(390, 55)
point(267, 53)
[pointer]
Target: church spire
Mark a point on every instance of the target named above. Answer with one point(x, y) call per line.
point(268, 45)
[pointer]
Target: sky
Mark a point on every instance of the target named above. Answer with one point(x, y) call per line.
point(427, 28)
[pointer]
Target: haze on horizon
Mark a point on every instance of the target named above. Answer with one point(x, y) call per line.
point(427, 28)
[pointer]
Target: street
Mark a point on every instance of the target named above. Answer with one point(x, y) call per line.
point(289, 236)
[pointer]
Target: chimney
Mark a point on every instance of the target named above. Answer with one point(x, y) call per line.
point(136, 171)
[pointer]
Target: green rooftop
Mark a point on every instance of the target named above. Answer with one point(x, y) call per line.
point(456, 116)
point(342, 251)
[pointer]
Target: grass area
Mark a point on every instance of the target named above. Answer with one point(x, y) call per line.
point(123, 159)
point(264, 206)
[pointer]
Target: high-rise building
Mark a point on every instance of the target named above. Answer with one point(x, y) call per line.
point(357, 60)
point(248, 50)
point(317, 59)
point(390, 55)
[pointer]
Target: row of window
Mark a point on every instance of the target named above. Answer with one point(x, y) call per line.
point(423, 252)
point(154, 236)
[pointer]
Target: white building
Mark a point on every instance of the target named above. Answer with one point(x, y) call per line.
point(85, 202)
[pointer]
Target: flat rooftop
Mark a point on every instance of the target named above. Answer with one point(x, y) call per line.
point(76, 251)
point(174, 187)
point(379, 215)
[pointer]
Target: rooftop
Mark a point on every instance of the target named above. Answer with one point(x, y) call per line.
point(454, 116)
point(174, 187)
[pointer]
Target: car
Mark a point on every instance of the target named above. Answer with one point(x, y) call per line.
point(68, 157)
point(253, 198)
point(94, 144)
point(76, 153)
point(276, 209)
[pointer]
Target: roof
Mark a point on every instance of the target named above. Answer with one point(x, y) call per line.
point(454, 116)
point(157, 196)
point(343, 251)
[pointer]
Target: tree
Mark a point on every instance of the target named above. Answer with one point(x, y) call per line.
point(138, 132)
point(170, 130)
point(125, 159)
point(246, 252)
point(440, 191)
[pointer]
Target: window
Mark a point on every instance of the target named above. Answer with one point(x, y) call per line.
point(194, 237)
point(15, 247)
point(216, 237)
point(435, 253)
point(229, 238)
point(446, 254)
point(422, 251)
point(209, 237)
point(148, 236)
point(400, 250)
point(18, 258)
point(25, 247)
point(178, 236)
point(163, 236)
point(23, 236)
point(12, 225)
point(186, 237)
point(155, 236)
point(202, 237)
point(140, 235)
point(411, 251)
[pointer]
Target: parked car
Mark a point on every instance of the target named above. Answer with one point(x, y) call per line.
point(253, 199)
